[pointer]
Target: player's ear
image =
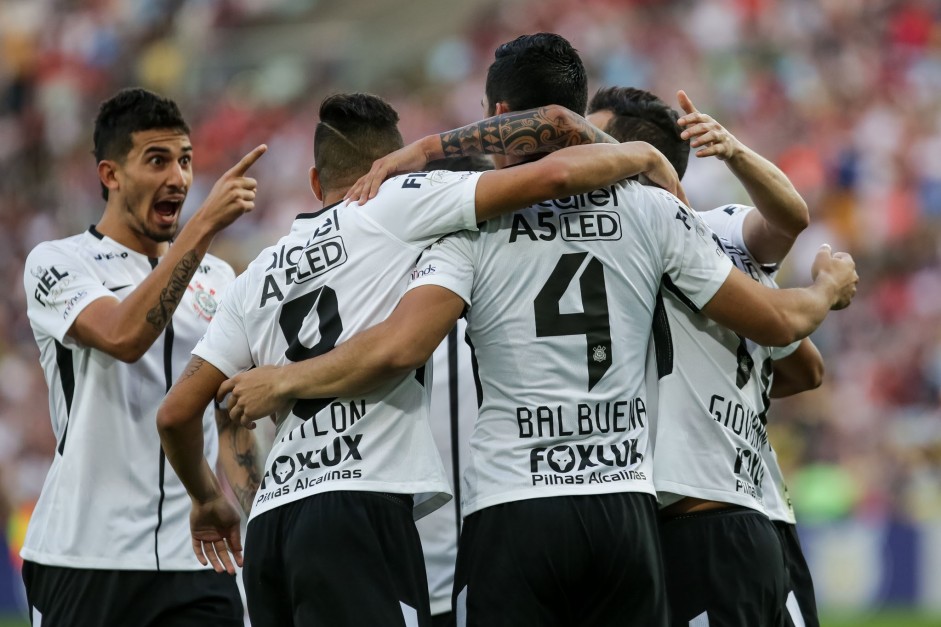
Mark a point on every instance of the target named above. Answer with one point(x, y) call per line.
point(108, 174)
point(501, 107)
point(315, 185)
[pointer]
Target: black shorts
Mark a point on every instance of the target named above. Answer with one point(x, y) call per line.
point(801, 602)
point(443, 620)
point(724, 568)
point(592, 561)
point(80, 597)
point(343, 559)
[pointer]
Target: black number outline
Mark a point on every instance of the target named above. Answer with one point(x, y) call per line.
point(594, 322)
point(291, 320)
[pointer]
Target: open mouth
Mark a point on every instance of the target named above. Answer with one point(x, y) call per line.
point(167, 210)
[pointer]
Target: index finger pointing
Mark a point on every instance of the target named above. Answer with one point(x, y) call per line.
point(685, 102)
point(242, 166)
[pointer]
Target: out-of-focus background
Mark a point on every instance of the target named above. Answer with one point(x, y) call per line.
point(844, 96)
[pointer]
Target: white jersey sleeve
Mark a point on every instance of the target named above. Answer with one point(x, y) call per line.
point(728, 222)
point(448, 263)
point(58, 289)
point(690, 266)
point(225, 344)
point(420, 207)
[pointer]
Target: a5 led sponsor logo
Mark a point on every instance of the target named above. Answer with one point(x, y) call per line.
point(566, 464)
point(287, 471)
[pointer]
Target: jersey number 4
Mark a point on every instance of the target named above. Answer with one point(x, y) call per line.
point(593, 322)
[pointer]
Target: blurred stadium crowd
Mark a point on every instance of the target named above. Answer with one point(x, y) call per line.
point(844, 96)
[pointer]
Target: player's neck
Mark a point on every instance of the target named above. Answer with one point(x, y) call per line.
point(113, 224)
point(332, 198)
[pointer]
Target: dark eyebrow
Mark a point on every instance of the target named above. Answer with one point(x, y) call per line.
point(164, 150)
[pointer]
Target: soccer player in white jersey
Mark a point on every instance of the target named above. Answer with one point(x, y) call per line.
point(331, 538)
point(716, 473)
point(452, 414)
point(115, 311)
point(560, 519)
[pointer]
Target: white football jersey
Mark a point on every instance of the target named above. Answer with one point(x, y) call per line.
point(713, 391)
point(338, 272)
point(453, 414)
point(561, 297)
point(110, 500)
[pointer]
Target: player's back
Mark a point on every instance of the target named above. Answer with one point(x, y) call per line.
point(338, 272)
point(712, 437)
point(561, 302)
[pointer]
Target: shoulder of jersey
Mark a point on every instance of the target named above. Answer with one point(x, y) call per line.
point(218, 265)
point(70, 245)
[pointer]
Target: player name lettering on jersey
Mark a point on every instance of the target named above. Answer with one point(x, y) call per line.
point(582, 419)
point(343, 415)
point(741, 420)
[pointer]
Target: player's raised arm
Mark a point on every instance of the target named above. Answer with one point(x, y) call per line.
point(516, 134)
point(782, 213)
point(125, 329)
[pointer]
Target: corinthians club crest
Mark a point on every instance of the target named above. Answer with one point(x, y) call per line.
point(599, 354)
point(204, 300)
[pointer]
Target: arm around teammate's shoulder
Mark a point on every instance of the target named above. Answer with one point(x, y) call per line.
point(570, 171)
point(800, 371)
point(778, 317)
point(389, 350)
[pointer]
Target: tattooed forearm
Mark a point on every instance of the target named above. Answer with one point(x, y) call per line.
point(521, 133)
point(246, 489)
point(238, 454)
point(171, 295)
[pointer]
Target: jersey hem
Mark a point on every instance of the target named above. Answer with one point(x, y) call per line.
point(66, 561)
point(709, 494)
point(522, 495)
point(439, 495)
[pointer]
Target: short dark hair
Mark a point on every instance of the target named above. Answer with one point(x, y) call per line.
point(354, 130)
point(130, 111)
point(537, 70)
point(641, 116)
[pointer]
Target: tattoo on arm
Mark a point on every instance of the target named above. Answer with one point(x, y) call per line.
point(245, 478)
point(193, 367)
point(170, 296)
point(247, 458)
point(521, 133)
